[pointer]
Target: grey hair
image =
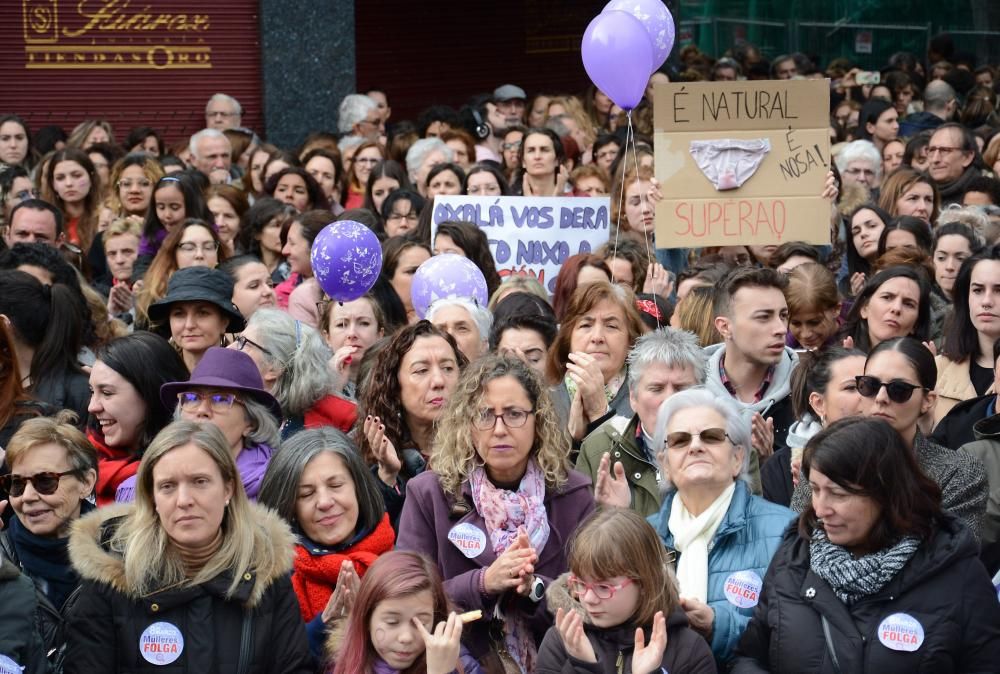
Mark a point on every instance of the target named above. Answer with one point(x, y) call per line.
point(280, 487)
point(347, 142)
point(418, 152)
point(672, 347)
point(264, 427)
point(300, 353)
point(937, 95)
point(353, 110)
point(737, 425)
point(225, 98)
point(202, 135)
point(971, 216)
point(480, 316)
point(860, 149)
point(557, 123)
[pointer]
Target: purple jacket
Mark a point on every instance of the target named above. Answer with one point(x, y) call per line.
point(427, 519)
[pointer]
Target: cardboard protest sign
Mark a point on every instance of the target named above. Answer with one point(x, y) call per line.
point(742, 162)
point(530, 235)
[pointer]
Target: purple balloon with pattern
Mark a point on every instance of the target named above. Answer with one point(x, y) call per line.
point(444, 276)
point(656, 19)
point(618, 57)
point(346, 260)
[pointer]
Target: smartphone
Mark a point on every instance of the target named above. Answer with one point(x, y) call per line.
point(868, 77)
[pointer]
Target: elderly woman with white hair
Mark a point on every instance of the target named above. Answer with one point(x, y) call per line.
point(464, 320)
point(294, 362)
point(424, 155)
point(860, 163)
point(724, 537)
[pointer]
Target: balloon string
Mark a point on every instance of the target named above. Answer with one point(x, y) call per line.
point(621, 196)
point(642, 202)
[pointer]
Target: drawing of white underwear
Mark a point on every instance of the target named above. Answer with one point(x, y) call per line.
point(727, 162)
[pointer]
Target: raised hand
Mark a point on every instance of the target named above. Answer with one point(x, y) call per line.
point(858, 280)
point(389, 464)
point(570, 626)
point(342, 599)
point(340, 365)
point(443, 646)
point(657, 280)
point(513, 569)
point(611, 492)
point(762, 435)
point(648, 658)
point(584, 369)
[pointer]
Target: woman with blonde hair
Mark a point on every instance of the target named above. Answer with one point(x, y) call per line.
point(910, 192)
point(90, 132)
point(517, 284)
point(192, 573)
point(132, 179)
point(695, 313)
point(500, 466)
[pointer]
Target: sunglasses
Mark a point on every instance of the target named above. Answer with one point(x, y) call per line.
point(898, 391)
point(45, 484)
point(709, 436)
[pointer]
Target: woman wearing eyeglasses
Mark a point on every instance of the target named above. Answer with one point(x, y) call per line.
point(293, 363)
point(878, 576)
point(193, 243)
point(53, 471)
point(898, 386)
point(226, 391)
point(497, 511)
point(722, 535)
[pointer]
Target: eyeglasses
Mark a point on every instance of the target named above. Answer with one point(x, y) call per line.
point(218, 402)
point(510, 147)
point(709, 436)
point(412, 217)
point(129, 184)
point(191, 246)
point(940, 149)
point(602, 590)
point(898, 391)
point(45, 484)
point(243, 340)
point(219, 113)
point(512, 418)
point(860, 172)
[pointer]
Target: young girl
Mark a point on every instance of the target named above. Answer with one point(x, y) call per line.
point(392, 623)
point(618, 607)
point(175, 198)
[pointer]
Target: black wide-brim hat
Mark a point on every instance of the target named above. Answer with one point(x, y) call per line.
point(199, 284)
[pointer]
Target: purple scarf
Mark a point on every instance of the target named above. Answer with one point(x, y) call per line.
point(149, 246)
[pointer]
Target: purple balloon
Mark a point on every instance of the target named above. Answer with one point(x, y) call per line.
point(656, 19)
point(447, 275)
point(346, 260)
point(618, 57)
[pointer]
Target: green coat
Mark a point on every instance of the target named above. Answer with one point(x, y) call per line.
point(617, 436)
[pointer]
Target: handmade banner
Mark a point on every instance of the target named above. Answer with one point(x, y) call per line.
point(742, 162)
point(530, 235)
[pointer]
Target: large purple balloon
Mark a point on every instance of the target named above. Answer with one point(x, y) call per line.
point(656, 19)
point(447, 275)
point(346, 260)
point(618, 57)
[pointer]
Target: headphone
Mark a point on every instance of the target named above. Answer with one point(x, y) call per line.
point(482, 130)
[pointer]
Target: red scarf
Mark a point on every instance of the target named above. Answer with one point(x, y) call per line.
point(333, 411)
point(315, 576)
point(114, 466)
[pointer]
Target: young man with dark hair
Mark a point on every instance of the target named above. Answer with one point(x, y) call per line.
point(752, 365)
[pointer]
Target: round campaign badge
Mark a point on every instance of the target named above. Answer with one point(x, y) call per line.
point(901, 632)
point(9, 666)
point(468, 538)
point(161, 643)
point(743, 589)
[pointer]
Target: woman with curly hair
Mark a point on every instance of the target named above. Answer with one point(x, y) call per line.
point(408, 388)
point(497, 509)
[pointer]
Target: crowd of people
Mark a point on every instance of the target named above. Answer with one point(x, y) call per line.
point(749, 458)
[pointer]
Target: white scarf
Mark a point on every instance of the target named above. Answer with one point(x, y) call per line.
point(691, 538)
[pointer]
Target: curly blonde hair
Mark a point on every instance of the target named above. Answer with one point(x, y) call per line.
point(454, 455)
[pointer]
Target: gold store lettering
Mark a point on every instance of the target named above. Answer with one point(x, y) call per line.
point(111, 15)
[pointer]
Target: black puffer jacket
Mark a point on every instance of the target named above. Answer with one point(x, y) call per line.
point(686, 650)
point(20, 644)
point(194, 629)
point(944, 587)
